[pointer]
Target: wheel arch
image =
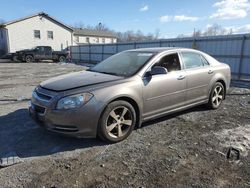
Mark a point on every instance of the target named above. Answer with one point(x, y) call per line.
point(222, 81)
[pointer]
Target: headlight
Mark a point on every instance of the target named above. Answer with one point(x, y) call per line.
point(74, 101)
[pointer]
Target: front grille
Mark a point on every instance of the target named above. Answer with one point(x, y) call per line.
point(43, 96)
point(38, 109)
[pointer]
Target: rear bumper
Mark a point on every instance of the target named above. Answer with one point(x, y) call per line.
point(80, 122)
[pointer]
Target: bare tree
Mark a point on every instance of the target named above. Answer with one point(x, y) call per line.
point(131, 36)
point(79, 25)
point(197, 33)
point(102, 27)
point(214, 30)
point(127, 36)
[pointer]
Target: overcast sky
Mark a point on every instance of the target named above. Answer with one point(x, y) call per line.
point(171, 17)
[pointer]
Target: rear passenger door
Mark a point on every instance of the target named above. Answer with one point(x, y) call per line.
point(199, 75)
point(47, 53)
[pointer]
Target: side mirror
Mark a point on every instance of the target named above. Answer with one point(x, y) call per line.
point(158, 70)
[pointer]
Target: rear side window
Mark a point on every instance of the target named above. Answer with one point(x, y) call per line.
point(193, 60)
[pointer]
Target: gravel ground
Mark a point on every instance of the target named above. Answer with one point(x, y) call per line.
point(187, 149)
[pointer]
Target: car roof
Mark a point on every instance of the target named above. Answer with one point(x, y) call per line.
point(161, 49)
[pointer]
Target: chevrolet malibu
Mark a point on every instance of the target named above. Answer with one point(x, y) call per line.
point(118, 94)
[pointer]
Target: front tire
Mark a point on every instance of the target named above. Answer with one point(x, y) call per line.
point(29, 59)
point(117, 121)
point(216, 96)
point(15, 58)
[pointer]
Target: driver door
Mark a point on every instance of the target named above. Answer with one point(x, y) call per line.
point(39, 52)
point(164, 92)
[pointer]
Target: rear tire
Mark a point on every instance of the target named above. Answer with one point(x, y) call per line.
point(117, 122)
point(29, 59)
point(216, 96)
point(61, 59)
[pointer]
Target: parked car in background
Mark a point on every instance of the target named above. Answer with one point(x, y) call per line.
point(39, 53)
point(131, 87)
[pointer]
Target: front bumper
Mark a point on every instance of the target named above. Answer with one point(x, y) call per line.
point(79, 122)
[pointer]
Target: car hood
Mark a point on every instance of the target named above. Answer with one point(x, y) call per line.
point(76, 80)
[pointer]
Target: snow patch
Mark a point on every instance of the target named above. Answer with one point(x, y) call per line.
point(238, 137)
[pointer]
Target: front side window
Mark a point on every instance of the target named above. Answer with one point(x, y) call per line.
point(40, 49)
point(50, 34)
point(193, 60)
point(37, 34)
point(170, 62)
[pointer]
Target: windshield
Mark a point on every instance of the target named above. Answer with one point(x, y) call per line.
point(123, 64)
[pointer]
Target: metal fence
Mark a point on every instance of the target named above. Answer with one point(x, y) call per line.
point(231, 49)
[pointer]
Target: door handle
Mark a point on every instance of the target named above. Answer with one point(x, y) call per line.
point(181, 77)
point(210, 72)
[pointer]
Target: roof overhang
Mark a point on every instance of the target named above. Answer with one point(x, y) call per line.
point(42, 14)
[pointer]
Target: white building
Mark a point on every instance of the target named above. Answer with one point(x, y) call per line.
point(39, 29)
point(89, 36)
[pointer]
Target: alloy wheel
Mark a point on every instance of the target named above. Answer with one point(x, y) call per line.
point(217, 95)
point(119, 122)
point(29, 59)
point(61, 59)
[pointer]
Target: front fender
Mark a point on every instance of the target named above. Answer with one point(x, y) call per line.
point(130, 90)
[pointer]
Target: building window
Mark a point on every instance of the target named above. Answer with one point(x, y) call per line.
point(37, 34)
point(103, 40)
point(50, 34)
point(77, 38)
point(87, 39)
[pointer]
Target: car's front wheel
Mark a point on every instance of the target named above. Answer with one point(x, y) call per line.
point(15, 58)
point(216, 95)
point(117, 121)
point(29, 59)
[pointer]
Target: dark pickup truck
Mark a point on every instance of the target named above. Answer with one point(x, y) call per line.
point(39, 53)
